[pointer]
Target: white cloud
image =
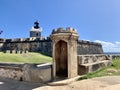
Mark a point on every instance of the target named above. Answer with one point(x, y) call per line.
point(109, 46)
point(86, 39)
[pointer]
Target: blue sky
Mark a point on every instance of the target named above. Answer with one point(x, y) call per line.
point(95, 20)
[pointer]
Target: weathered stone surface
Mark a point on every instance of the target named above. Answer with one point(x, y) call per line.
point(36, 45)
point(84, 59)
point(87, 47)
point(26, 72)
point(16, 74)
point(64, 52)
point(90, 67)
point(90, 63)
point(45, 45)
point(12, 71)
point(115, 56)
point(37, 74)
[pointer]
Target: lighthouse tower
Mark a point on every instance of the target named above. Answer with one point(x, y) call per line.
point(35, 30)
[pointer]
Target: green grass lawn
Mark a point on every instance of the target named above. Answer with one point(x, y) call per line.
point(24, 58)
point(112, 70)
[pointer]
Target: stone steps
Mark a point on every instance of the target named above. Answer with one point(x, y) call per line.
point(84, 59)
point(90, 67)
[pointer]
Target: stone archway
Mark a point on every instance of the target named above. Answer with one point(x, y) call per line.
point(64, 52)
point(61, 57)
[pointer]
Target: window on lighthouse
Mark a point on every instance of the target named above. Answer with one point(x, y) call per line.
point(37, 34)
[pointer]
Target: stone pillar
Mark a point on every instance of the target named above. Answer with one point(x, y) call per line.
point(72, 58)
point(64, 52)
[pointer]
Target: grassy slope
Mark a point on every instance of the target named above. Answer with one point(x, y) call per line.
point(112, 70)
point(24, 58)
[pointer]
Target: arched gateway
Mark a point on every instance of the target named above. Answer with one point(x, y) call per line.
point(64, 52)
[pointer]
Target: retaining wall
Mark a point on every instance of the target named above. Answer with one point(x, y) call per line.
point(90, 63)
point(43, 72)
point(26, 72)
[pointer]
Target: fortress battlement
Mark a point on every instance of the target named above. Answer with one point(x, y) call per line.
point(26, 39)
point(62, 30)
point(88, 42)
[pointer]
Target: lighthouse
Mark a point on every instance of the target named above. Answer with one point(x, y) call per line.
point(35, 30)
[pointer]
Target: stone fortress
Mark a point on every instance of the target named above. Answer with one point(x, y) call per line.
point(37, 43)
point(71, 57)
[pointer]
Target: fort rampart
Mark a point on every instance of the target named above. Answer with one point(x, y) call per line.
point(45, 46)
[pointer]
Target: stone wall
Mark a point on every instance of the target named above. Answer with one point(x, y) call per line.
point(1, 43)
point(36, 45)
point(90, 63)
point(1, 46)
point(114, 56)
point(11, 71)
point(43, 72)
point(93, 62)
point(87, 47)
point(37, 73)
point(45, 46)
point(26, 72)
point(83, 59)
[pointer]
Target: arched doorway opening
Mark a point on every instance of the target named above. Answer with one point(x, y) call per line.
point(61, 58)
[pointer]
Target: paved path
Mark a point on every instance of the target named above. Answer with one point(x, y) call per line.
point(101, 83)
point(8, 84)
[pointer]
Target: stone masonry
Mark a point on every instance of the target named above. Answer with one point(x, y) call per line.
point(45, 46)
point(64, 52)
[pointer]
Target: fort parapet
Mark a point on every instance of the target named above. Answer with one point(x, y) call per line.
point(87, 47)
point(62, 30)
point(41, 44)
